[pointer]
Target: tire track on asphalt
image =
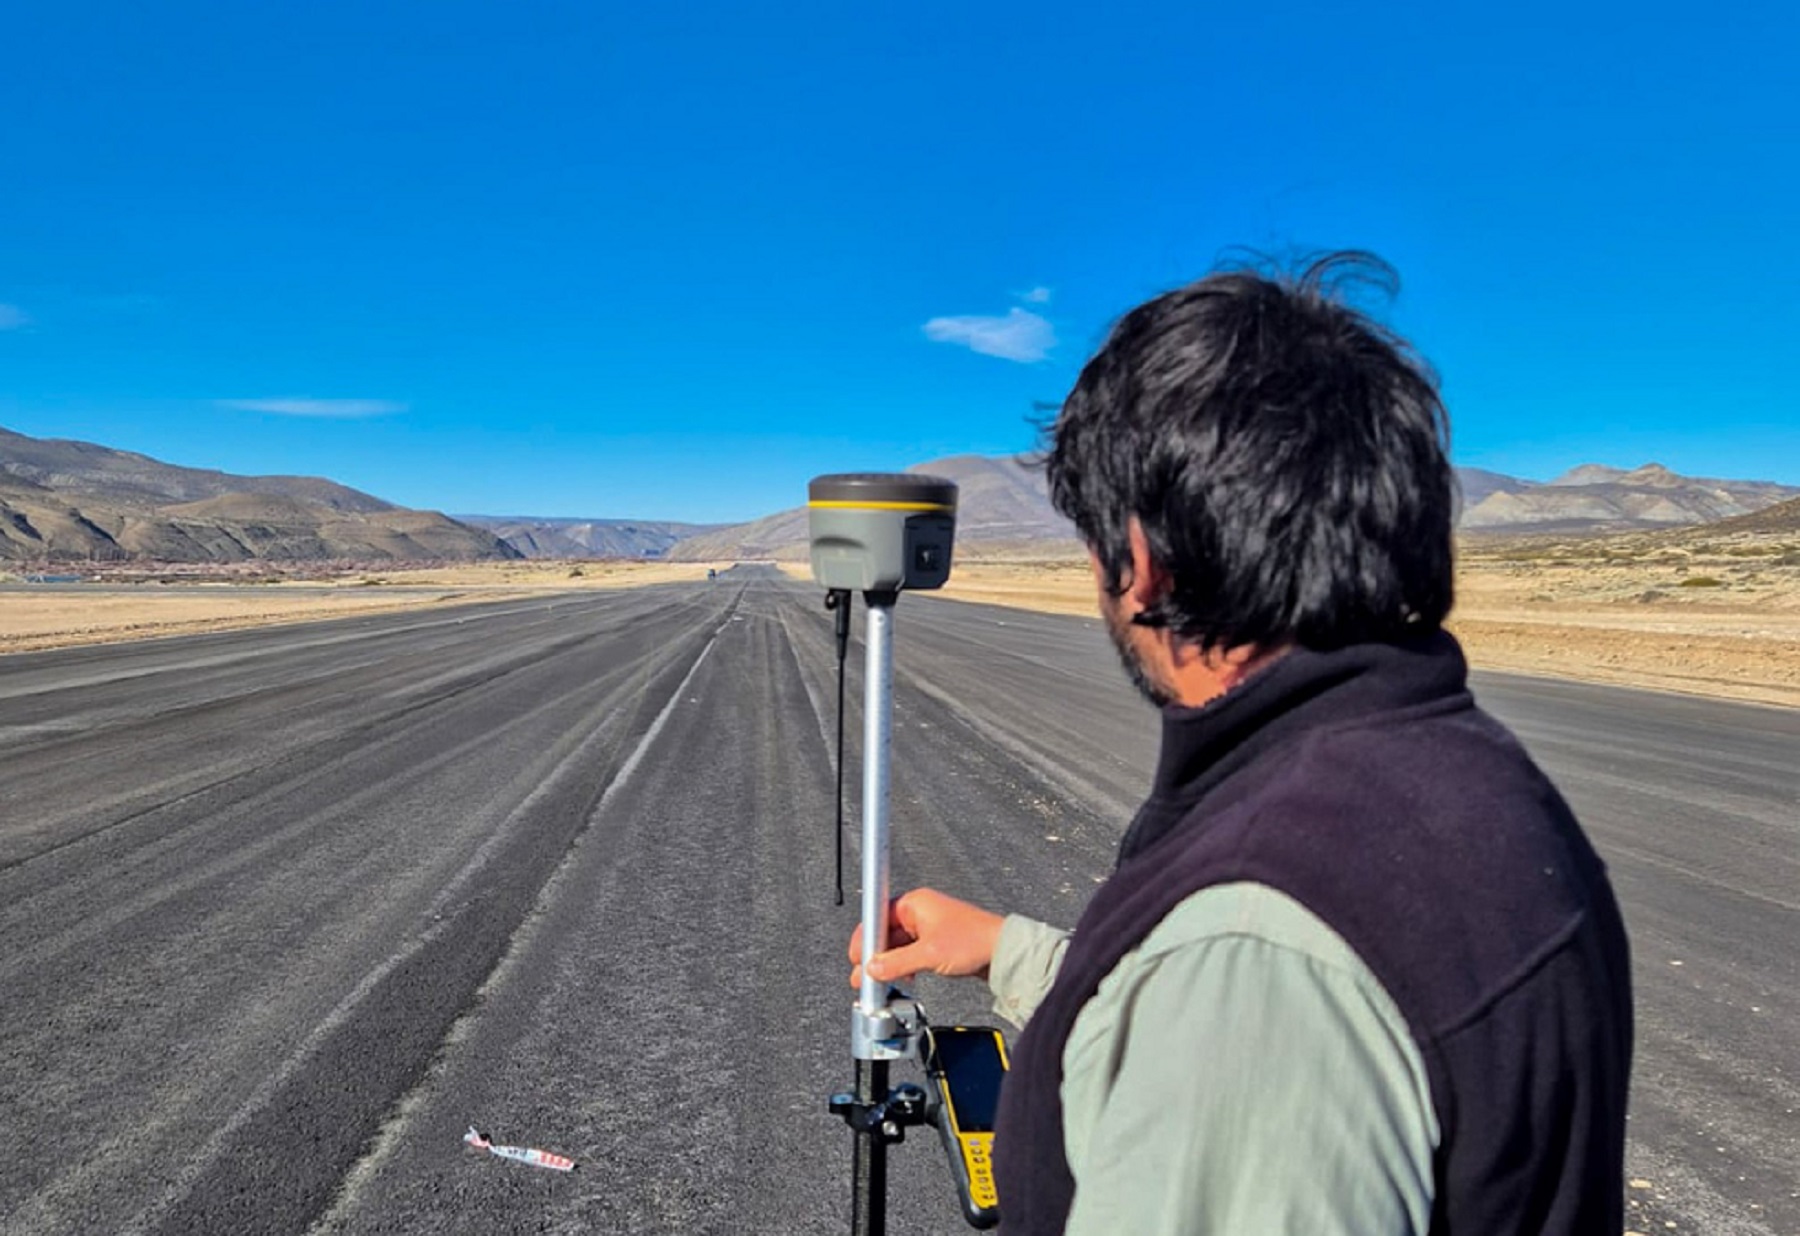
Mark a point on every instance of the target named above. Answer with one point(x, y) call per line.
point(673, 1018)
point(262, 787)
point(275, 1166)
point(129, 1053)
point(316, 751)
point(394, 1126)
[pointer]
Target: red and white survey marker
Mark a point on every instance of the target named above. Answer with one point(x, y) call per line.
point(522, 1154)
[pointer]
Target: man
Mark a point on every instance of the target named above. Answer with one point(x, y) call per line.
point(1357, 970)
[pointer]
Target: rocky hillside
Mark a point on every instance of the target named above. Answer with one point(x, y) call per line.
point(79, 502)
point(782, 535)
point(123, 478)
point(1782, 519)
point(1774, 529)
point(586, 538)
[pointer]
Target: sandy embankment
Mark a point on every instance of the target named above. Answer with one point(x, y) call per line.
point(33, 618)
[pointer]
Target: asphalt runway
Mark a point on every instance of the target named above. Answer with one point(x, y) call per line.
point(285, 911)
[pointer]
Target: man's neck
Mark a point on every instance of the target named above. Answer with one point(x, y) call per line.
point(1197, 678)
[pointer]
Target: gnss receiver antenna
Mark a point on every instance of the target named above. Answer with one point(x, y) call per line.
point(881, 534)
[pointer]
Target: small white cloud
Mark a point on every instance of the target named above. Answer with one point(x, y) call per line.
point(337, 409)
point(1037, 296)
point(1019, 336)
point(12, 317)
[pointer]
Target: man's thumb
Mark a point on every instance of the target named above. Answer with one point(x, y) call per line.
point(896, 963)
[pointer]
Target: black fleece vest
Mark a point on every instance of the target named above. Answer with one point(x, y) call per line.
point(1365, 784)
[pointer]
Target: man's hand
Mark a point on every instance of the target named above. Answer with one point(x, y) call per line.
point(930, 932)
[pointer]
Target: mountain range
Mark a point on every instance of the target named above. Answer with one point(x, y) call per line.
point(76, 501)
point(1597, 498)
point(586, 538)
point(1004, 508)
point(1002, 504)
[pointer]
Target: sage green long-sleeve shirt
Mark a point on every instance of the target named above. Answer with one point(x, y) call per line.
point(1241, 1071)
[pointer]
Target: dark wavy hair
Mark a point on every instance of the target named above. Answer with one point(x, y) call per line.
point(1285, 453)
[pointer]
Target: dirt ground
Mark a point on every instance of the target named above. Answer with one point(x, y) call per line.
point(1706, 619)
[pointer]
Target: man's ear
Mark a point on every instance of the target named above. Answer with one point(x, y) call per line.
point(1149, 582)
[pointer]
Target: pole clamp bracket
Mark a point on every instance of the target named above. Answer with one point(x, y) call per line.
point(890, 1032)
point(887, 1120)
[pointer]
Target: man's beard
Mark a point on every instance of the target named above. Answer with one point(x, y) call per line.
point(1120, 630)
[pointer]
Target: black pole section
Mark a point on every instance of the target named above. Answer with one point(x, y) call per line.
point(838, 599)
point(868, 1178)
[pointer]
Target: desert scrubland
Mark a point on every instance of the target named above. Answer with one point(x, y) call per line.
point(1685, 611)
point(1676, 612)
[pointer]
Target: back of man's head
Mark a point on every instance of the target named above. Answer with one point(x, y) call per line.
point(1284, 453)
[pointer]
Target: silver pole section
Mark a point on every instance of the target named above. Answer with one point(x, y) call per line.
point(872, 1021)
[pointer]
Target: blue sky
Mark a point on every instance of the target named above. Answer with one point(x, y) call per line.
point(669, 261)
